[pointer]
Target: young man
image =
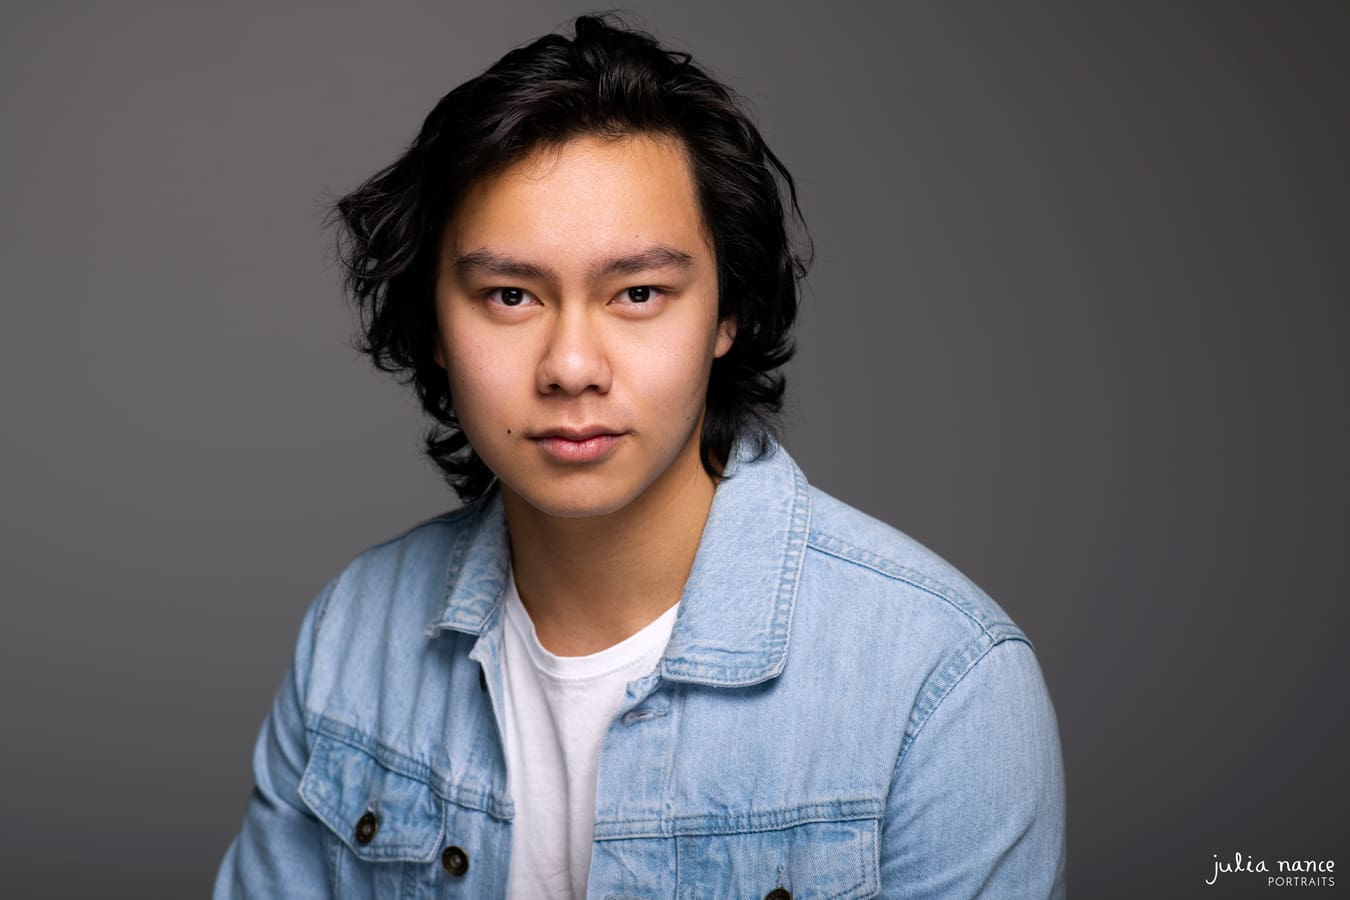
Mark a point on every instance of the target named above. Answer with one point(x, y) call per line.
point(646, 658)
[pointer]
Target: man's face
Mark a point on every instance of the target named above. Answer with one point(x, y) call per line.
point(577, 314)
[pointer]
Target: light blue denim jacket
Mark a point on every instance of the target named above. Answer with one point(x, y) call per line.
point(839, 713)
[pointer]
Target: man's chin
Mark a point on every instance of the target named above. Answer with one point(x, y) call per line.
point(576, 503)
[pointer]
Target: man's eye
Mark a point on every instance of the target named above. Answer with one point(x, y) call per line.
point(509, 296)
point(640, 294)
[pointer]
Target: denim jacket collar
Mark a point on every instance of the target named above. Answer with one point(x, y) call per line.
point(733, 625)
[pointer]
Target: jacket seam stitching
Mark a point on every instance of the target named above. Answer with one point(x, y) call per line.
point(911, 737)
point(401, 764)
point(1008, 629)
point(859, 810)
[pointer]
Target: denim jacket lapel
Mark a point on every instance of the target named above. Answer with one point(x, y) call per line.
point(477, 571)
point(735, 614)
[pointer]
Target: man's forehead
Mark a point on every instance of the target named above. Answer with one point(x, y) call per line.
point(539, 160)
point(593, 169)
point(616, 206)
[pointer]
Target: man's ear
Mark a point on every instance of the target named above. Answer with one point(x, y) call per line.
point(726, 335)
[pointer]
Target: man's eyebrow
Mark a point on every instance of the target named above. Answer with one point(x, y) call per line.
point(490, 263)
point(657, 256)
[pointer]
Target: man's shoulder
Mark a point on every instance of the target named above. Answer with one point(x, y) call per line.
point(890, 574)
point(406, 574)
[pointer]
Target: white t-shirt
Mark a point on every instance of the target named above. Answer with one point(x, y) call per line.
point(557, 710)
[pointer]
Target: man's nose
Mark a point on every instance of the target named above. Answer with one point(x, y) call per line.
point(574, 358)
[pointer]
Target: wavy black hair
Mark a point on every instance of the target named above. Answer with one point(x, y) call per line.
point(611, 80)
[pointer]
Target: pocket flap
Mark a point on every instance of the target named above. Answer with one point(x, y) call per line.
point(342, 784)
point(827, 860)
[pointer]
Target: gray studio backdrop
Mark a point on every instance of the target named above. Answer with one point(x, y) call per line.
point(1077, 321)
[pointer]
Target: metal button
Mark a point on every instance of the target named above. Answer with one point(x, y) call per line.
point(455, 860)
point(778, 894)
point(366, 826)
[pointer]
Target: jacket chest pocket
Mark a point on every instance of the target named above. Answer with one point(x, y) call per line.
point(813, 860)
point(383, 829)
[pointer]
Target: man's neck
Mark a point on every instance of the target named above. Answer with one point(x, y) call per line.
point(591, 582)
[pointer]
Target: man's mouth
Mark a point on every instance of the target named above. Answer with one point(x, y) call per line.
point(588, 444)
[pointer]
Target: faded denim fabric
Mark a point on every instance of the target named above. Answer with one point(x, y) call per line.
point(839, 713)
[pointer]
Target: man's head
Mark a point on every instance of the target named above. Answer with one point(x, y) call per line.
point(609, 147)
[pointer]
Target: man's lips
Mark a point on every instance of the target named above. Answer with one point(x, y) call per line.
point(578, 444)
point(578, 434)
